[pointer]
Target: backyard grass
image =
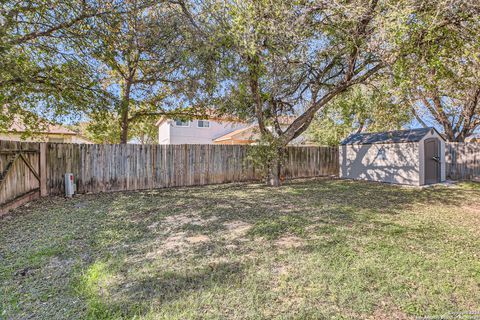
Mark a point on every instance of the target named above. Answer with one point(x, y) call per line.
point(317, 249)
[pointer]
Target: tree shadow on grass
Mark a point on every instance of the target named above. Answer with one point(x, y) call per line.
point(388, 198)
point(125, 227)
point(272, 213)
point(312, 195)
point(137, 293)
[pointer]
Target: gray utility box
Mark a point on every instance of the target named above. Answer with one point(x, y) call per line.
point(69, 185)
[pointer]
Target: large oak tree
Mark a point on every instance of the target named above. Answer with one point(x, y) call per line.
point(440, 70)
point(40, 74)
point(108, 60)
point(292, 58)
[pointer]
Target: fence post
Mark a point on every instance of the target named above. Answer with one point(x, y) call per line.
point(43, 169)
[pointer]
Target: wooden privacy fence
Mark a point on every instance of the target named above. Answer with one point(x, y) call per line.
point(463, 160)
point(103, 168)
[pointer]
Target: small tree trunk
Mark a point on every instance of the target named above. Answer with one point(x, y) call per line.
point(274, 174)
point(275, 169)
point(124, 111)
point(460, 138)
point(124, 128)
point(449, 133)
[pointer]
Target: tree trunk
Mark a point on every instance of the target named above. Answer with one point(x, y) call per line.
point(253, 73)
point(124, 111)
point(124, 126)
point(275, 169)
point(448, 130)
point(273, 179)
point(417, 117)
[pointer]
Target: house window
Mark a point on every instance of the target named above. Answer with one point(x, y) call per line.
point(181, 123)
point(203, 124)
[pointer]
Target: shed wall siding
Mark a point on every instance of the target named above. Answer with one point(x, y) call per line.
point(392, 163)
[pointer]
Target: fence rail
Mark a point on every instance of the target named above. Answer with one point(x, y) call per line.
point(463, 160)
point(103, 168)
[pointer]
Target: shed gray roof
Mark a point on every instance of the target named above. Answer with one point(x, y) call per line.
point(413, 135)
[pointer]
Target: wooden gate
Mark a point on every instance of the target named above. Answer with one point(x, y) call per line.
point(19, 173)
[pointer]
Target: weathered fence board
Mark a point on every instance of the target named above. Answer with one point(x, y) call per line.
point(463, 160)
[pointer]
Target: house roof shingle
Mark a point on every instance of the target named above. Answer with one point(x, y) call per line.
point(212, 114)
point(18, 126)
point(399, 136)
point(209, 114)
point(247, 133)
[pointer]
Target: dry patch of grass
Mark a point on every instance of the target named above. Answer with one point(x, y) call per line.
point(308, 250)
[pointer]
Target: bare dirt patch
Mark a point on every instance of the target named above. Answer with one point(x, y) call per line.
point(236, 229)
point(290, 242)
point(473, 207)
point(174, 242)
point(197, 239)
point(388, 312)
point(178, 242)
point(180, 220)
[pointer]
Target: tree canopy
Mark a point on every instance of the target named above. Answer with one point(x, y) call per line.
point(101, 61)
point(360, 109)
point(293, 58)
point(439, 71)
point(40, 73)
point(346, 66)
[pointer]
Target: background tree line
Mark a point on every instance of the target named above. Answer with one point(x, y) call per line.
point(337, 66)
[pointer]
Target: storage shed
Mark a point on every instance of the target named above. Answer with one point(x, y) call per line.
point(412, 157)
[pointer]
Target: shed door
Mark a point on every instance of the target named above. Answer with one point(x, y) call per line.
point(432, 161)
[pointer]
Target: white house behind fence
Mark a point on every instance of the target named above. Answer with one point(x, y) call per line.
point(197, 131)
point(215, 130)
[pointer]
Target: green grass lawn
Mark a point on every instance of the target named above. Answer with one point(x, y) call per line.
point(317, 249)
